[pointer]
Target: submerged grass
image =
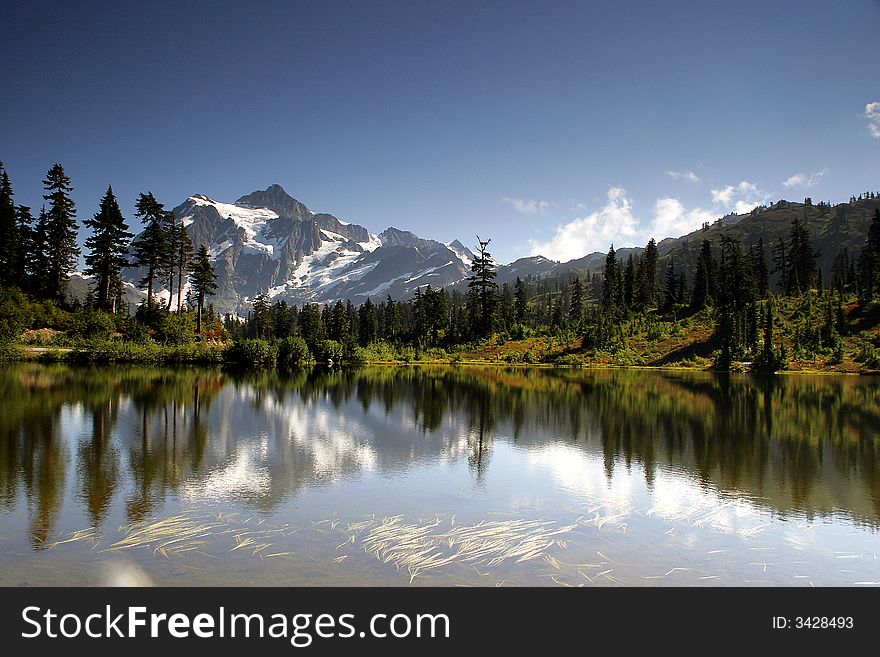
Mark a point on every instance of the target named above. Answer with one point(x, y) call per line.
point(418, 548)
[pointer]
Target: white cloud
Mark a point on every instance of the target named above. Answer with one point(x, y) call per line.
point(872, 113)
point(741, 198)
point(614, 223)
point(671, 219)
point(801, 180)
point(528, 205)
point(688, 176)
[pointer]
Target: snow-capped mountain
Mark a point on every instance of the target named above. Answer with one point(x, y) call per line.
point(268, 242)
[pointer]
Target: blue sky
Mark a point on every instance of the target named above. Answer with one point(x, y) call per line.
point(549, 127)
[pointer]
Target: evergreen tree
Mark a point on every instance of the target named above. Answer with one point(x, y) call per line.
point(840, 269)
point(10, 243)
point(203, 280)
point(779, 255)
point(61, 231)
point(368, 323)
point(184, 257)
point(629, 283)
point(107, 246)
point(737, 328)
point(869, 262)
point(705, 278)
point(671, 288)
point(262, 317)
point(151, 248)
point(760, 269)
point(169, 267)
point(521, 300)
point(391, 320)
point(576, 305)
point(648, 279)
point(24, 220)
point(38, 256)
point(801, 259)
point(483, 288)
point(612, 295)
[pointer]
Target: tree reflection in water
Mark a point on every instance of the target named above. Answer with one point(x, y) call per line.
point(806, 444)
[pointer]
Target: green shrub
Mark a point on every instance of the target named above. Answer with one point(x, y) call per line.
point(326, 350)
point(380, 351)
point(135, 331)
point(15, 314)
point(407, 354)
point(10, 353)
point(90, 324)
point(175, 329)
point(251, 353)
point(293, 352)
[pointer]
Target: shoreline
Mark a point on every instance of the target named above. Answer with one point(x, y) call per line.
point(212, 355)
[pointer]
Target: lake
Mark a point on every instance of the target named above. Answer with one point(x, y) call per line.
point(437, 476)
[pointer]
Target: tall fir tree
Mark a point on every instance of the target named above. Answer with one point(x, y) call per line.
point(648, 276)
point(629, 283)
point(61, 232)
point(483, 288)
point(521, 300)
point(184, 257)
point(868, 262)
point(151, 248)
point(25, 220)
point(39, 254)
point(612, 295)
point(761, 270)
point(576, 304)
point(801, 259)
point(705, 289)
point(203, 280)
point(10, 243)
point(108, 247)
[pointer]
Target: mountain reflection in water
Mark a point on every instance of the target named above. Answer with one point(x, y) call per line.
point(805, 444)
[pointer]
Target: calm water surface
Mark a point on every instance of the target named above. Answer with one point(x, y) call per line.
point(437, 476)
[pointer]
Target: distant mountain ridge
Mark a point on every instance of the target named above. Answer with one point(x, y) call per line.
point(268, 242)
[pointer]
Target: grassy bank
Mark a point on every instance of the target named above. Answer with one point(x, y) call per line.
point(647, 340)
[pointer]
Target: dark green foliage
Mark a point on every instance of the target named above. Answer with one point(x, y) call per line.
point(647, 276)
point(737, 325)
point(576, 304)
point(612, 293)
point(482, 295)
point(800, 259)
point(108, 245)
point(91, 324)
point(23, 267)
point(203, 280)
point(521, 300)
point(771, 358)
point(705, 279)
point(629, 283)
point(175, 329)
point(292, 352)
point(368, 322)
point(184, 255)
point(152, 249)
point(869, 263)
point(10, 240)
point(60, 233)
point(251, 353)
point(15, 313)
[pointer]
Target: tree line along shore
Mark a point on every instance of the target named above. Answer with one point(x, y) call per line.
point(742, 306)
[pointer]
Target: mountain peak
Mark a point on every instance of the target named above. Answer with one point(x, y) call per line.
point(276, 199)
